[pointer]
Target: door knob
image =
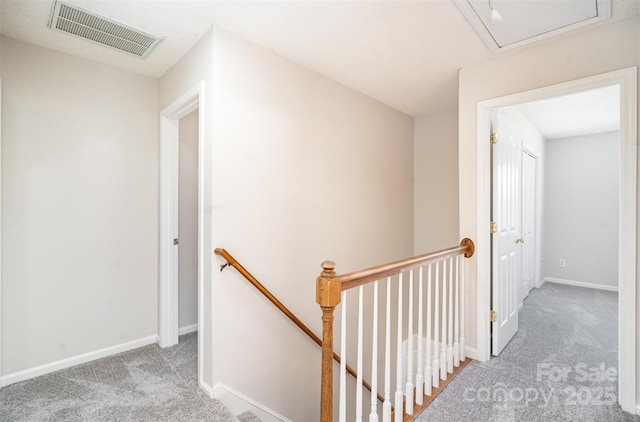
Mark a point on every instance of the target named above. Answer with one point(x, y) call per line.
point(176, 241)
point(519, 240)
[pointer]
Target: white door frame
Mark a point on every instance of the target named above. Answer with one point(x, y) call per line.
point(627, 79)
point(0, 232)
point(168, 218)
point(536, 238)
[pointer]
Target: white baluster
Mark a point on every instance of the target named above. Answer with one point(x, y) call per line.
point(456, 340)
point(443, 350)
point(359, 367)
point(343, 361)
point(409, 387)
point(398, 398)
point(373, 415)
point(450, 329)
point(386, 405)
point(436, 327)
point(419, 377)
point(427, 368)
point(463, 352)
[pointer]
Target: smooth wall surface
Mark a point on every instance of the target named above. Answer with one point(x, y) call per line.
point(304, 170)
point(79, 206)
point(435, 169)
point(188, 221)
point(581, 209)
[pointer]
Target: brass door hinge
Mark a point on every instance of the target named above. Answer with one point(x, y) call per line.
point(493, 316)
point(493, 227)
point(493, 138)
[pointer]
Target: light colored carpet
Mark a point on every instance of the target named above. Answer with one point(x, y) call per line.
point(248, 416)
point(146, 384)
point(562, 328)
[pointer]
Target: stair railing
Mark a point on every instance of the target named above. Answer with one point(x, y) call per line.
point(231, 261)
point(438, 350)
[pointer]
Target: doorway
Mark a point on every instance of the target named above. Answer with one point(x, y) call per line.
point(169, 212)
point(626, 79)
point(577, 138)
point(0, 230)
point(188, 224)
point(530, 200)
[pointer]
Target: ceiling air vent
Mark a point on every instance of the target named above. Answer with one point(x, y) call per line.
point(75, 20)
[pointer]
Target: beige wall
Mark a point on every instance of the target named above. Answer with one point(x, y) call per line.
point(585, 53)
point(581, 209)
point(299, 169)
point(435, 169)
point(188, 221)
point(79, 206)
point(304, 170)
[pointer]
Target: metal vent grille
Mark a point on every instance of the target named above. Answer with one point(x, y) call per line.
point(72, 19)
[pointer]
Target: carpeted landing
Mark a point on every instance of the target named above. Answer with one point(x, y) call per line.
point(560, 366)
point(146, 384)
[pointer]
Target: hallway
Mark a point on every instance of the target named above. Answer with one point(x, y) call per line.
point(148, 384)
point(560, 366)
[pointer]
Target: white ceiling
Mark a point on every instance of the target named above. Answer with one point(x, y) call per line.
point(527, 21)
point(403, 53)
point(582, 113)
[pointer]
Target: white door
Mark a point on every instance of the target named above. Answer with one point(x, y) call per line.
point(506, 273)
point(528, 223)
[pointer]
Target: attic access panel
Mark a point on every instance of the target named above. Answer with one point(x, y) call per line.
point(528, 21)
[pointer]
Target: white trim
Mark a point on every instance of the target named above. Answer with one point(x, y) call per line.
point(627, 300)
point(627, 79)
point(580, 284)
point(539, 194)
point(471, 353)
point(638, 410)
point(168, 217)
point(188, 329)
point(206, 388)
point(483, 243)
point(168, 265)
point(201, 250)
point(1, 231)
point(238, 403)
point(75, 360)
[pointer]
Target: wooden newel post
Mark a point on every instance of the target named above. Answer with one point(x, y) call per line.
point(328, 297)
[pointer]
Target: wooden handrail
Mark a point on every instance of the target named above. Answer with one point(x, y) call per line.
point(359, 278)
point(328, 288)
point(234, 263)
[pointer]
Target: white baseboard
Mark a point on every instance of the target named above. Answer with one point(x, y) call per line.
point(581, 284)
point(238, 403)
point(75, 360)
point(188, 329)
point(206, 388)
point(472, 353)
